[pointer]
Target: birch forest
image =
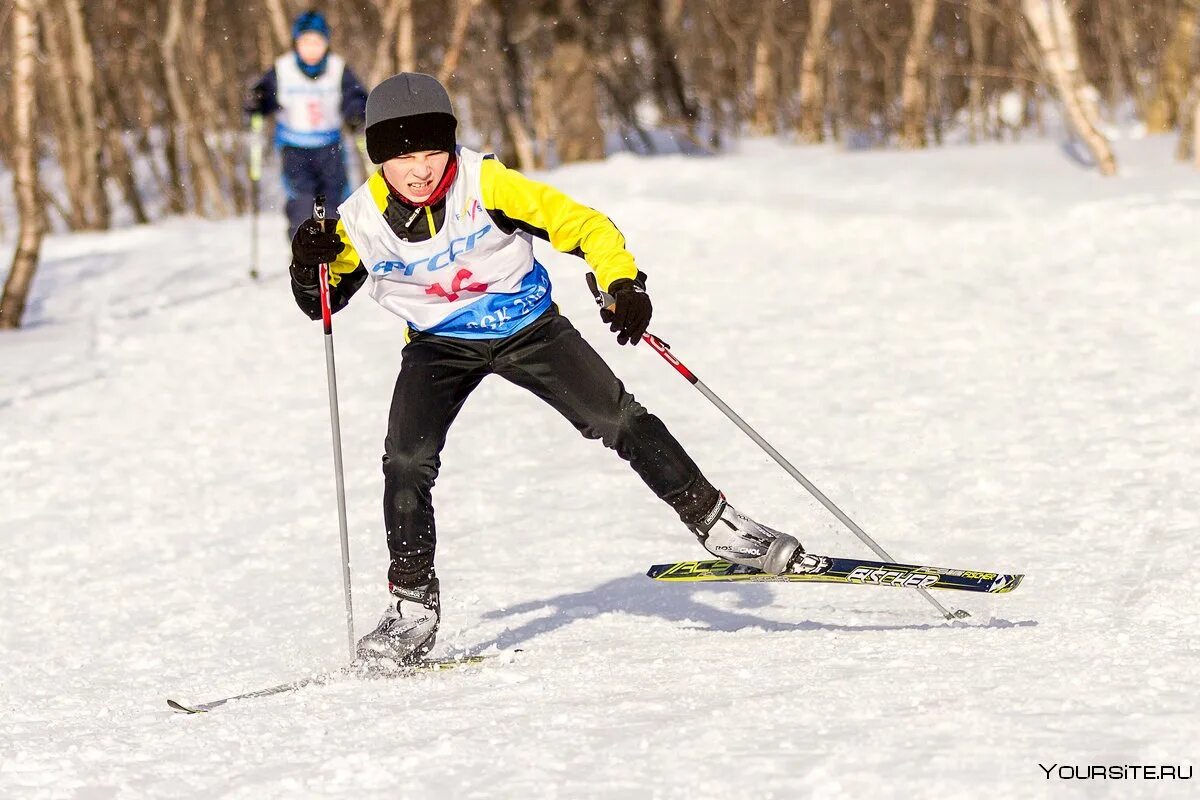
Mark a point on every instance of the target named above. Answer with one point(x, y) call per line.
point(137, 104)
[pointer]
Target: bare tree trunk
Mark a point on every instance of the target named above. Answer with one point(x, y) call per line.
point(979, 57)
point(521, 140)
point(508, 89)
point(383, 62)
point(544, 128)
point(121, 168)
point(1056, 39)
point(458, 38)
point(406, 47)
point(572, 91)
point(766, 84)
point(392, 40)
point(280, 25)
point(873, 109)
point(836, 101)
point(913, 97)
point(84, 83)
point(24, 23)
point(669, 85)
point(56, 87)
point(1126, 35)
point(579, 135)
point(1196, 122)
point(120, 161)
point(1172, 84)
point(812, 73)
point(1189, 126)
point(1109, 41)
point(209, 199)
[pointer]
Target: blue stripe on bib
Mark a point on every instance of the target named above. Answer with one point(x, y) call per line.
point(494, 316)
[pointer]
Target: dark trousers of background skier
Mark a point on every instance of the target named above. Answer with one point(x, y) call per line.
point(550, 359)
point(307, 172)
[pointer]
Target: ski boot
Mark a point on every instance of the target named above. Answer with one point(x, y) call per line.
point(408, 628)
point(732, 536)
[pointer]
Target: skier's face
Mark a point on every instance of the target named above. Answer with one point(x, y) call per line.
point(416, 175)
point(311, 47)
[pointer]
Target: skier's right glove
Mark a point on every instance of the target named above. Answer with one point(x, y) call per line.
point(311, 247)
point(255, 101)
point(630, 315)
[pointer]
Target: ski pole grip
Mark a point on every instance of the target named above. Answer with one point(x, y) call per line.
point(319, 210)
point(256, 147)
point(323, 269)
point(603, 299)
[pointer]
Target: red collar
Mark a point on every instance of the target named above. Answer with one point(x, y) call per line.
point(439, 194)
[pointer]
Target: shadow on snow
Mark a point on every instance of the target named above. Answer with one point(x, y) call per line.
point(639, 596)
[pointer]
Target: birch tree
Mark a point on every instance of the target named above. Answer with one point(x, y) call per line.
point(766, 82)
point(203, 173)
point(1170, 97)
point(913, 95)
point(1057, 43)
point(811, 127)
point(24, 21)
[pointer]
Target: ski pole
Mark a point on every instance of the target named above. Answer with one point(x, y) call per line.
point(664, 350)
point(256, 159)
point(335, 422)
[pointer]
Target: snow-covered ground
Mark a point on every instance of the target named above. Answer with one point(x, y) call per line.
point(987, 356)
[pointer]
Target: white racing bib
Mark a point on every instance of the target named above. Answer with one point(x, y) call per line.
point(470, 280)
point(310, 113)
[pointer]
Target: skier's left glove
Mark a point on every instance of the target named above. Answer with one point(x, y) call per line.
point(312, 246)
point(630, 316)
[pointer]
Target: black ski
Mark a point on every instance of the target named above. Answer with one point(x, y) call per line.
point(826, 569)
point(351, 670)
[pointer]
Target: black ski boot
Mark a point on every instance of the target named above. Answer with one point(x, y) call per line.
point(408, 628)
point(730, 535)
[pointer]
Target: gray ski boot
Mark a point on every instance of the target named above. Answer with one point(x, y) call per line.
point(732, 536)
point(408, 628)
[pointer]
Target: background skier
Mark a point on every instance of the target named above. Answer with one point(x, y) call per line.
point(312, 93)
point(444, 236)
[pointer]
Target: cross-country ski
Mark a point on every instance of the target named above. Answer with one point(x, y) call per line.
point(356, 670)
point(811, 568)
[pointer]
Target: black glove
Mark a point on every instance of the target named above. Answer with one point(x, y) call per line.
point(255, 100)
point(631, 315)
point(311, 246)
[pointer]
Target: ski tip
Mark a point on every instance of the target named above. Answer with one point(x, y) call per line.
point(175, 705)
point(1013, 582)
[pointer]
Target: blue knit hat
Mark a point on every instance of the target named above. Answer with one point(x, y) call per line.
point(310, 21)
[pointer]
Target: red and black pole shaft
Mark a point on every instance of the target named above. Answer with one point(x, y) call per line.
point(323, 277)
point(335, 423)
point(663, 349)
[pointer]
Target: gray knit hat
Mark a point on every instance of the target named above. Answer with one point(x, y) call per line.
point(407, 113)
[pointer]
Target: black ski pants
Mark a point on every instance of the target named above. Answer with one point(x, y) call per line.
point(307, 172)
point(550, 359)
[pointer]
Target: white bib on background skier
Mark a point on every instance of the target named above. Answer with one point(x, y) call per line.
point(310, 112)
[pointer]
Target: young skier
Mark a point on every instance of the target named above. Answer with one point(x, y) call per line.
point(313, 94)
point(444, 237)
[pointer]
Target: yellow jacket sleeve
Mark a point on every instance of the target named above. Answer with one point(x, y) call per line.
point(548, 213)
point(347, 260)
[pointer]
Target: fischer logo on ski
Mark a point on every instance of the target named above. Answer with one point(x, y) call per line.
point(892, 577)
